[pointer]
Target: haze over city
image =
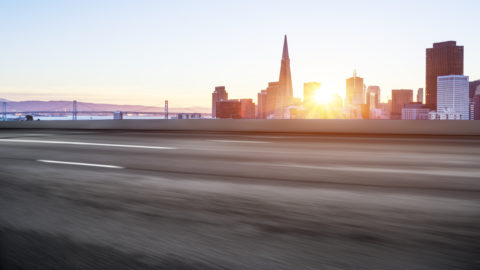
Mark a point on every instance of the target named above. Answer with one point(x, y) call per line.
point(239, 135)
point(144, 52)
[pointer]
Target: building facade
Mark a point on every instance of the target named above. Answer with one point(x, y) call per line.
point(415, 111)
point(230, 109)
point(355, 91)
point(474, 87)
point(219, 94)
point(373, 92)
point(453, 95)
point(445, 58)
point(269, 101)
point(400, 97)
point(420, 95)
point(476, 107)
point(247, 108)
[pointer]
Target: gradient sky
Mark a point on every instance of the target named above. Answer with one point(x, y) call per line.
point(143, 52)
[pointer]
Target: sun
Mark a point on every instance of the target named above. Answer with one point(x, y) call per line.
point(323, 97)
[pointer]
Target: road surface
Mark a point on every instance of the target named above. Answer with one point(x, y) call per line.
point(81, 199)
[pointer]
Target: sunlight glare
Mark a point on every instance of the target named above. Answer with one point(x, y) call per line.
point(323, 97)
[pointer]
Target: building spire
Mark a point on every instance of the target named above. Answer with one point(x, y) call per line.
point(285, 49)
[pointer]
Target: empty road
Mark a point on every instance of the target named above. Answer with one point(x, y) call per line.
point(79, 199)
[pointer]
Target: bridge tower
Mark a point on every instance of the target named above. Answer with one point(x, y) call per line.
point(166, 109)
point(74, 111)
point(4, 110)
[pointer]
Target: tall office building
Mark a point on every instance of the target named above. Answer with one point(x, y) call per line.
point(445, 58)
point(374, 91)
point(453, 95)
point(273, 101)
point(309, 90)
point(285, 78)
point(355, 90)
point(420, 95)
point(400, 97)
point(218, 95)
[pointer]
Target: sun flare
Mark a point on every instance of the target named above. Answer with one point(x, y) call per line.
point(323, 97)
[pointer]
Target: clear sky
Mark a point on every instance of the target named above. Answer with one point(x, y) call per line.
point(143, 52)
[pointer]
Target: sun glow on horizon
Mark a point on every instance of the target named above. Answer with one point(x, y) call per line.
point(323, 97)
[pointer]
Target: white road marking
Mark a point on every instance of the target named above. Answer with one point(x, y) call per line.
point(233, 141)
point(34, 134)
point(457, 173)
point(87, 143)
point(80, 164)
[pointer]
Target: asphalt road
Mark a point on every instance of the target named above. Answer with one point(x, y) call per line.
point(173, 200)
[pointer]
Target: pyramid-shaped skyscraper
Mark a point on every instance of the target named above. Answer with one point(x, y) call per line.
point(285, 79)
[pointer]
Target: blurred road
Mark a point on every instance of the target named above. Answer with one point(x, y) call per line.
point(173, 200)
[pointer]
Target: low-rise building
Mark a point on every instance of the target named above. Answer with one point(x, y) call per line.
point(415, 111)
point(444, 115)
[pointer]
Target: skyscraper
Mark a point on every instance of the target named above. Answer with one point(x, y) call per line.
point(355, 90)
point(445, 58)
point(218, 95)
point(374, 91)
point(452, 95)
point(400, 97)
point(273, 101)
point(420, 95)
point(285, 78)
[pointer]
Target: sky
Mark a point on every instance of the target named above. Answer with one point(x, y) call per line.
point(143, 52)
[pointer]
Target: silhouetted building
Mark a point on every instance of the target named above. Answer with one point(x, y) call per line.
point(420, 95)
point(228, 109)
point(285, 78)
point(473, 86)
point(355, 91)
point(309, 90)
point(218, 95)
point(400, 97)
point(445, 58)
point(274, 101)
point(452, 95)
point(415, 111)
point(374, 91)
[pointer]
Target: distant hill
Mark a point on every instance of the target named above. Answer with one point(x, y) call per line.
point(18, 106)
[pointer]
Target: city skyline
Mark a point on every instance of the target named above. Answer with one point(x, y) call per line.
point(131, 59)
